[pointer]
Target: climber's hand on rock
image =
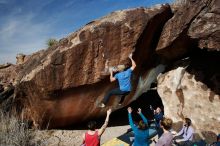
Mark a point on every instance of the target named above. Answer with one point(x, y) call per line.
point(139, 111)
point(129, 109)
point(130, 55)
point(111, 70)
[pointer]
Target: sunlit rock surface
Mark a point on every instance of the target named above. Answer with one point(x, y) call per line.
point(184, 96)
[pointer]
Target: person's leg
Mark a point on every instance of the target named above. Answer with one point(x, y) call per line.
point(187, 143)
point(116, 91)
point(177, 137)
point(123, 97)
point(159, 132)
point(182, 143)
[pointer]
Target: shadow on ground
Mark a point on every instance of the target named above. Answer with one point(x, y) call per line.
point(120, 117)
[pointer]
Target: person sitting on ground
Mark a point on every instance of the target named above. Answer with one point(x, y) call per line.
point(141, 132)
point(185, 136)
point(124, 78)
point(167, 137)
point(92, 136)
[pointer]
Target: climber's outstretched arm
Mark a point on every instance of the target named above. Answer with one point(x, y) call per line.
point(133, 64)
point(104, 126)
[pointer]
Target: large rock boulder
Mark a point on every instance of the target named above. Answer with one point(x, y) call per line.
point(194, 100)
point(63, 84)
point(192, 90)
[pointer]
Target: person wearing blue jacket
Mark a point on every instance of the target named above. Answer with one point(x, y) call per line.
point(141, 132)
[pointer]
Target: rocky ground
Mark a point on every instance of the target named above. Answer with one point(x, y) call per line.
point(74, 137)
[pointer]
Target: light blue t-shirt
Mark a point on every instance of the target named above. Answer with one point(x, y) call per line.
point(124, 79)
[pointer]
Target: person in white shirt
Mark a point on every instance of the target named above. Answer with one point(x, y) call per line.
point(185, 136)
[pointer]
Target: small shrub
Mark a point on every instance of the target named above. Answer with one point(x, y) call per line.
point(51, 42)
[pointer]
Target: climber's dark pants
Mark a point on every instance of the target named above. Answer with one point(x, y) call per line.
point(116, 91)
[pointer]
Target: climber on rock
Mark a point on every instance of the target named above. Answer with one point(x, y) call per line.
point(124, 79)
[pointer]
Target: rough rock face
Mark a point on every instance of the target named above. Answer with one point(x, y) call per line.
point(74, 137)
point(206, 26)
point(194, 91)
point(20, 59)
point(63, 84)
point(197, 101)
point(195, 21)
point(8, 73)
point(190, 87)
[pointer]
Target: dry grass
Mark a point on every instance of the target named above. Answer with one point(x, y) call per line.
point(14, 132)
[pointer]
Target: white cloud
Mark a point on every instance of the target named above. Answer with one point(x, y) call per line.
point(21, 31)
point(8, 29)
point(22, 35)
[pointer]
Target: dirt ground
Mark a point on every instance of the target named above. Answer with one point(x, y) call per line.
point(74, 137)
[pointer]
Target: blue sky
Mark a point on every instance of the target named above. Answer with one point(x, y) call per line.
point(26, 25)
